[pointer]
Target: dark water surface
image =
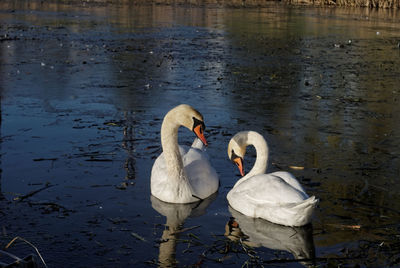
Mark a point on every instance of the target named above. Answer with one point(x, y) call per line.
point(83, 93)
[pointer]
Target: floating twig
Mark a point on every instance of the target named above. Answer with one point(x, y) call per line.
point(296, 167)
point(135, 235)
point(345, 226)
point(29, 243)
point(194, 236)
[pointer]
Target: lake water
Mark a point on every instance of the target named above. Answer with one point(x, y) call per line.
point(84, 89)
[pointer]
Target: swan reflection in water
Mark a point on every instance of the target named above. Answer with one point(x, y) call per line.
point(257, 232)
point(176, 215)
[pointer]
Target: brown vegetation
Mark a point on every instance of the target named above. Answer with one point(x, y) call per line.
point(350, 3)
point(388, 4)
point(262, 3)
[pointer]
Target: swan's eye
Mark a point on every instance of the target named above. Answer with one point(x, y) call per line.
point(234, 156)
point(196, 123)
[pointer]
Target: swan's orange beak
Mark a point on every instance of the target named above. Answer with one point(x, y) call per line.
point(200, 134)
point(239, 163)
point(234, 224)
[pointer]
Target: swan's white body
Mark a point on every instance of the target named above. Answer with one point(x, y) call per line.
point(181, 174)
point(277, 197)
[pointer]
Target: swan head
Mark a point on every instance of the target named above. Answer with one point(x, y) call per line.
point(190, 118)
point(237, 149)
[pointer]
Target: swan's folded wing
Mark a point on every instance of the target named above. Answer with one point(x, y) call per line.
point(195, 154)
point(202, 175)
point(289, 178)
point(266, 188)
point(270, 197)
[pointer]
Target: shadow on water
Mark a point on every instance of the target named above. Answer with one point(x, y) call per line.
point(84, 90)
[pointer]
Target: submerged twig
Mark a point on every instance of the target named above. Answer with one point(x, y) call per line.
point(186, 229)
point(21, 198)
point(52, 205)
point(9, 255)
point(308, 259)
point(370, 205)
point(99, 160)
point(29, 243)
point(45, 159)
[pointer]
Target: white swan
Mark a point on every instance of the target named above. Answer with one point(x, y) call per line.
point(277, 197)
point(179, 174)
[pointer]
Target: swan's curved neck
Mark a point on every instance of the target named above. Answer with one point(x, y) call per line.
point(167, 254)
point(261, 163)
point(169, 143)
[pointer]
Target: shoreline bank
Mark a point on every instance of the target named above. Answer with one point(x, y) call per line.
point(385, 4)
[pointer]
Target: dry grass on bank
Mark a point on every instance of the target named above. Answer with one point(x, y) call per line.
point(394, 4)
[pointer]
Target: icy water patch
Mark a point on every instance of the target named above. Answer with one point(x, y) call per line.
point(83, 93)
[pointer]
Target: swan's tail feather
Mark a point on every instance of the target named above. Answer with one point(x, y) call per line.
point(302, 213)
point(309, 202)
